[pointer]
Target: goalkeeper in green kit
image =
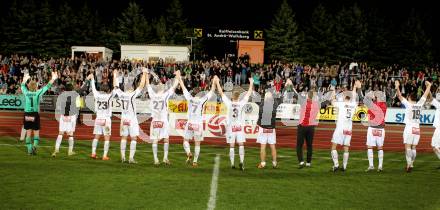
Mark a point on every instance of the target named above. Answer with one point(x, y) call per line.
point(31, 119)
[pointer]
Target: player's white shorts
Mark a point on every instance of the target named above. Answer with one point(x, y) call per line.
point(129, 127)
point(342, 136)
point(235, 134)
point(411, 134)
point(194, 130)
point(159, 130)
point(266, 136)
point(435, 142)
point(375, 137)
point(67, 123)
point(103, 126)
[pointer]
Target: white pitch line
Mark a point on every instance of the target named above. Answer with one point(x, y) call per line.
point(214, 182)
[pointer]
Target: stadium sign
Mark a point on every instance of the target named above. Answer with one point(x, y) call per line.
point(226, 33)
point(330, 113)
point(11, 102)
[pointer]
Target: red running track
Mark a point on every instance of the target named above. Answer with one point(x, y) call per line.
point(11, 122)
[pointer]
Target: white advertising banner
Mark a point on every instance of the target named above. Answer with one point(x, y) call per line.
point(288, 111)
point(397, 115)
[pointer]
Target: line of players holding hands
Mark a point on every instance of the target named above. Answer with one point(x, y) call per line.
point(345, 103)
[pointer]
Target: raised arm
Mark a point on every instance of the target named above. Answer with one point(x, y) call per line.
point(54, 77)
point(427, 89)
point(26, 77)
point(356, 86)
point(176, 80)
point(398, 93)
point(91, 78)
point(143, 79)
point(219, 88)
point(251, 88)
point(213, 86)
point(182, 85)
point(147, 80)
point(24, 89)
point(115, 79)
point(52, 80)
point(332, 98)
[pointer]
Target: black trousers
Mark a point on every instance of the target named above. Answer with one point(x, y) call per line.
point(304, 133)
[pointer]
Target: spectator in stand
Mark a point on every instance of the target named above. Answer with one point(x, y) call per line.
point(244, 72)
point(278, 83)
point(256, 77)
point(237, 78)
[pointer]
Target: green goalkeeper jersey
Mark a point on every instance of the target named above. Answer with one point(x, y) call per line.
point(32, 98)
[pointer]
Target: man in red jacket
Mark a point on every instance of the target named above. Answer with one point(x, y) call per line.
point(310, 105)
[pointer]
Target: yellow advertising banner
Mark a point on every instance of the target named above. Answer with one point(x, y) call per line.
point(209, 108)
point(330, 113)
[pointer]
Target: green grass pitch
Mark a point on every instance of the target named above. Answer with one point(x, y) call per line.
point(78, 182)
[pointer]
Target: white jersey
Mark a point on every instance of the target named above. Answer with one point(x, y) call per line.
point(159, 104)
point(195, 106)
point(345, 113)
point(436, 104)
point(413, 112)
point(103, 106)
point(128, 102)
point(235, 115)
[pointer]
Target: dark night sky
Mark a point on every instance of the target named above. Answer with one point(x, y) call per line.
point(258, 14)
point(255, 14)
point(248, 13)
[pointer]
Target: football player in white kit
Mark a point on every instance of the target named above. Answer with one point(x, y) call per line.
point(129, 123)
point(411, 134)
point(194, 124)
point(68, 112)
point(235, 122)
point(103, 123)
point(159, 127)
point(435, 142)
point(343, 130)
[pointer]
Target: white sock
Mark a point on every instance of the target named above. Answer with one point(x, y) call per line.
point(241, 153)
point(274, 163)
point(380, 157)
point(437, 152)
point(23, 134)
point(165, 150)
point(334, 154)
point(70, 143)
point(408, 155)
point(94, 145)
point(370, 157)
point(58, 143)
point(231, 156)
point(123, 146)
point(154, 146)
point(132, 149)
point(263, 163)
point(106, 147)
point(345, 159)
point(414, 154)
point(196, 153)
point(186, 147)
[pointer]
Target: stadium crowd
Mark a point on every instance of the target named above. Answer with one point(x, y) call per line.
point(200, 73)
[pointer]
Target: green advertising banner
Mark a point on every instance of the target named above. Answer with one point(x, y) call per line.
point(11, 102)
